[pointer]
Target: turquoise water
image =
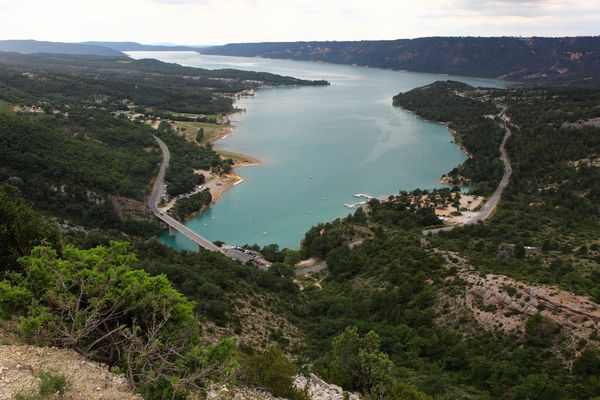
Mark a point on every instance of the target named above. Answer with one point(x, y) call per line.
point(318, 146)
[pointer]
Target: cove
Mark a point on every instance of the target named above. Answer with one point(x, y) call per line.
point(318, 147)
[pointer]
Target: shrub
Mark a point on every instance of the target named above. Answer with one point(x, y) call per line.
point(52, 383)
point(541, 331)
point(271, 369)
point(52, 386)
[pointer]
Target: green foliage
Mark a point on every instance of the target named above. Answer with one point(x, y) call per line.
point(272, 370)
point(192, 204)
point(588, 362)
point(215, 282)
point(13, 299)
point(541, 331)
point(552, 200)
point(52, 383)
point(537, 387)
point(389, 285)
point(111, 81)
point(402, 391)
point(45, 146)
point(51, 386)
point(535, 60)
point(185, 158)
point(358, 364)
point(21, 228)
point(200, 135)
point(95, 302)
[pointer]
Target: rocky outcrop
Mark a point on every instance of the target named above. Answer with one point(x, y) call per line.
point(500, 302)
point(127, 208)
point(318, 389)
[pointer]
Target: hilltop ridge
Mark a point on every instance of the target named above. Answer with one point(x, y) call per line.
point(559, 61)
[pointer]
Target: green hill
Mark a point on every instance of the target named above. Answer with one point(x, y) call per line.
point(35, 46)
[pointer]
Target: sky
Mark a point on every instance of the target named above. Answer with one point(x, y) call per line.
point(197, 22)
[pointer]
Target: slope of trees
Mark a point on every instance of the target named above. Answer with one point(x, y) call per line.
point(114, 82)
point(390, 285)
point(551, 203)
point(569, 60)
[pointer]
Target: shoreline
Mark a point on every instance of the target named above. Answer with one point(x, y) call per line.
point(454, 140)
point(219, 184)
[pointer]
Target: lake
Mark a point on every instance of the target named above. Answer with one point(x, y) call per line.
point(318, 147)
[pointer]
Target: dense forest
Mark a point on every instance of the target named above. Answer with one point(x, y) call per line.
point(118, 82)
point(568, 60)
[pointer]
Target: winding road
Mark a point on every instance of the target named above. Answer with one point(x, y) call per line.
point(490, 205)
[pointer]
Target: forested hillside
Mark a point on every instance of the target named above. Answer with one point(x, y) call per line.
point(552, 201)
point(570, 60)
point(35, 46)
point(122, 83)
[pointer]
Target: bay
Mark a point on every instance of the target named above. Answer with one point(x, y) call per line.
point(318, 146)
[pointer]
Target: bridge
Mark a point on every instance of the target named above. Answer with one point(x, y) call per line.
point(159, 190)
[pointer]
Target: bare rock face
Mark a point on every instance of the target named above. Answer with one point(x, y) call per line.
point(500, 302)
point(127, 208)
point(318, 389)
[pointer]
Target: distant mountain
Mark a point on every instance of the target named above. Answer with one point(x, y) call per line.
point(568, 60)
point(133, 46)
point(34, 46)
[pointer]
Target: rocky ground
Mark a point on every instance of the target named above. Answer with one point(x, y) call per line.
point(499, 302)
point(20, 364)
point(318, 389)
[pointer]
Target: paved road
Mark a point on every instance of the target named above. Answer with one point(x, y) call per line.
point(490, 205)
point(159, 190)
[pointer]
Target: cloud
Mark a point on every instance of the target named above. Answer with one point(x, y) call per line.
point(219, 21)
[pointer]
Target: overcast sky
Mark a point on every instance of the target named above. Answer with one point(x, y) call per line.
point(226, 21)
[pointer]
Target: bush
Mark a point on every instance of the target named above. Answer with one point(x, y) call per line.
point(541, 331)
point(588, 362)
point(52, 386)
point(356, 363)
point(52, 383)
point(271, 369)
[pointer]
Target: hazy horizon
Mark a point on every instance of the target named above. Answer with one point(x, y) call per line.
point(212, 22)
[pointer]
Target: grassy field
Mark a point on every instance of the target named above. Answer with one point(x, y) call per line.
point(189, 130)
point(211, 133)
